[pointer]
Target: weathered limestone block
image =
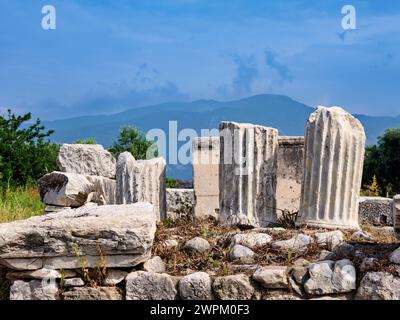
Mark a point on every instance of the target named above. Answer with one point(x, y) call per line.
point(251, 240)
point(180, 203)
point(62, 189)
point(33, 290)
point(234, 287)
point(195, 286)
point(103, 190)
point(155, 264)
point(377, 211)
point(73, 282)
point(88, 293)
point(334, 156)
point(141, 181)
point(142, 285)
point(123, 235)
point(272, 277)
point(205, 162)
point(396, 215)
point(379, 286)
point(331, 277)
point(115, 277)
point(247, 174)
point(290, 173)
point(86, 159)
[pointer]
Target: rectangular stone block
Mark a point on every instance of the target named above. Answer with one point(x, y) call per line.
point(289, 173)
point(376, 211)
point(73, 238)
point(205, 154)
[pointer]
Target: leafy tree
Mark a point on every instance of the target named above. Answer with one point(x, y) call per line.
point(383, 161)
point(171, 183)
point(86, 141)
point(132, 140)
point(25, 151)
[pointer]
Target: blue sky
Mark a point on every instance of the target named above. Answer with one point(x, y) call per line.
point(107, 56)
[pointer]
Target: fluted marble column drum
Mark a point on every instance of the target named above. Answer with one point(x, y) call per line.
point(334, 157)
point(141, 181)
point(247, 174)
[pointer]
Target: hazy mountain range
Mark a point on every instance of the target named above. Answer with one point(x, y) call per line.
point(277, 111)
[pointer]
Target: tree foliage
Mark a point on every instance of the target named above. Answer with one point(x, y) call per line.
point(26, 153)
point(132, 140)
point(383, 161)
point(86, 141)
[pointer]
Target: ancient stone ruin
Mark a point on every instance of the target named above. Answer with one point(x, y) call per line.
point(334, 156)
point(247, 174)
point(205, 162)
point(111, 229)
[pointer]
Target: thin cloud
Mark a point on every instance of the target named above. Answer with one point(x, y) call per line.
point(271, 60)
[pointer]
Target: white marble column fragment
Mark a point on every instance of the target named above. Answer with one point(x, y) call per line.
point(141, 181)
point(247, 174)
point(334, 157)
point(396, 215)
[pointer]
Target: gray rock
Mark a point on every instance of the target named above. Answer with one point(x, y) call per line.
point(299, 242)
point(379, 286)
point(123, 235)
point(251, 240)
point(368, 264)
point(39, 274)
point(33, 290)
point(395, 256)
point(280, 296)
point(295, 286)
point(51, 209)
point(234, 287)
point(196, 286)
point(114, 277)
point(326, 255)
point(73, 282)
point(154, 264)
point(299, 274)
point(180, 203)
point(88, 293)
point(142, 285)
point(272, 277)
point(375, 211)
point(197, 244)
point(361, 235)
point(329, 239)
point(63, 190)
point(344, 250)
point(86, 159)
point(241, 254)
point(103, 190)
point(170, 243)
point(329, 277)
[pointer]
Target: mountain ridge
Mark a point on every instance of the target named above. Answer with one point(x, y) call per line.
point(282, 112)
